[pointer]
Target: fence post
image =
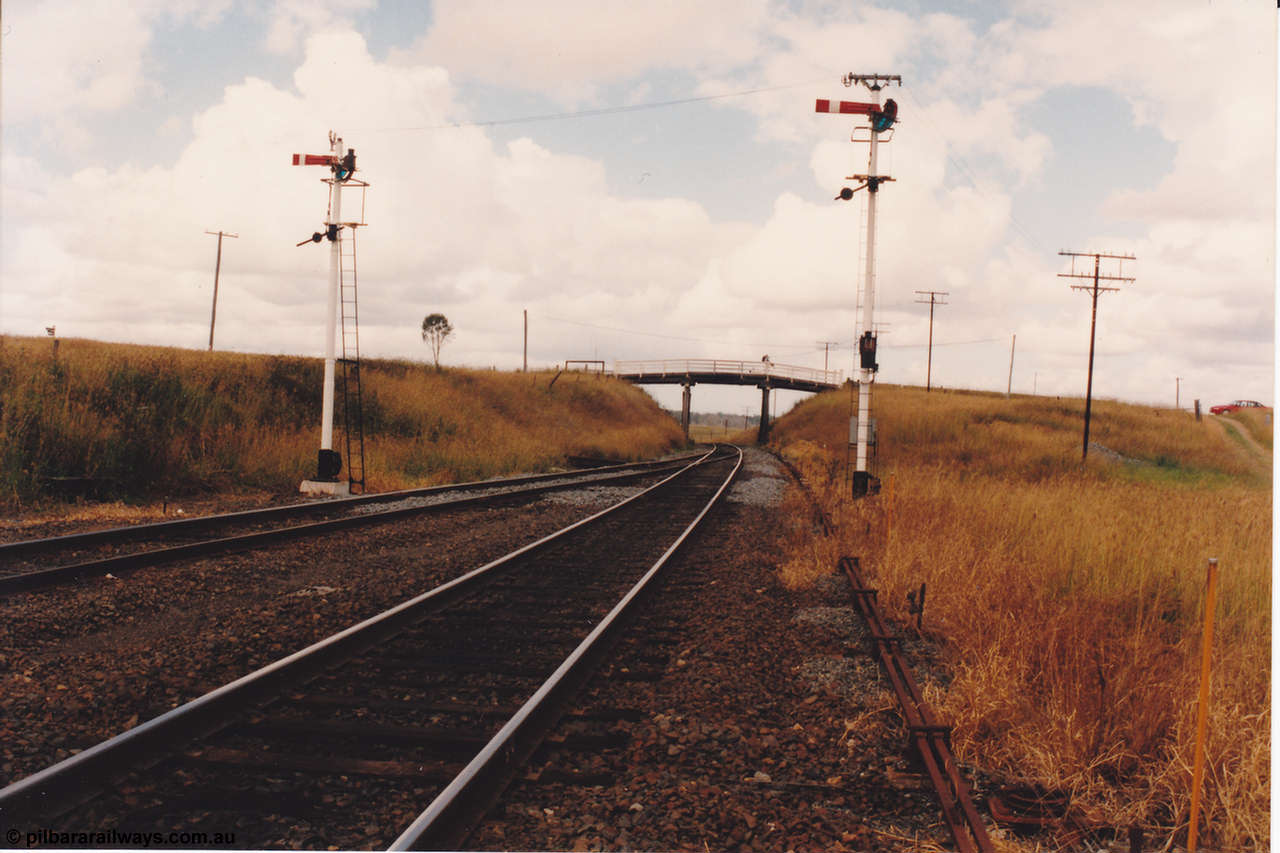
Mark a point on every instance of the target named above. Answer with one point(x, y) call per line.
point(1202, 712)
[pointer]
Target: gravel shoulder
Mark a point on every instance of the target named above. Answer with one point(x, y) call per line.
point(768, 726)
point(761, 722)
point(83, 662)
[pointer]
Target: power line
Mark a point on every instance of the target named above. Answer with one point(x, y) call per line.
point(932, 300)
point(947, 344)
point(1093, 290)
point(599, 111)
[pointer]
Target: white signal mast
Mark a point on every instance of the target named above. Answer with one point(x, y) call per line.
point(881, 119)
point(342, 166)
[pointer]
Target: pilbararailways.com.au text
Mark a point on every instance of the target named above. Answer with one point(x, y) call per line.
point(116, 838)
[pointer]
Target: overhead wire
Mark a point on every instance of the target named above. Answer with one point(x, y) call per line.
point(597, 111)
point(937, 344)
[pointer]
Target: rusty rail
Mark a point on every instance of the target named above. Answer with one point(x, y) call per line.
point(930, 739)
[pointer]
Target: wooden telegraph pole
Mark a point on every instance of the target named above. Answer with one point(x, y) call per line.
point(826, 353)
point(1013, 344)
point(932, 300)
point(1093, 289)
point(217, 268)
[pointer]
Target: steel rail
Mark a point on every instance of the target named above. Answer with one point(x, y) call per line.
point(447, 820)
point(26, 581)
point(11, 550)
point(75, 778)
point(931, 740)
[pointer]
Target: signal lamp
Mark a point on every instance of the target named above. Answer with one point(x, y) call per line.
point(884, 119)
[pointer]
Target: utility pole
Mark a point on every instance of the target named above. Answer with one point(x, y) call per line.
point(1177, 393)
point(932, 300)
point(217, 268)
point(526, 340)
point(826, 350)
point(880, 120)
point(1093, 289)
point(1012, 345)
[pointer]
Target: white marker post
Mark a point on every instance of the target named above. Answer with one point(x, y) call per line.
point(881, 120)
point(342, 165)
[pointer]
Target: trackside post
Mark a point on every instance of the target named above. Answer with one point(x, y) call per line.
point(1202, 710)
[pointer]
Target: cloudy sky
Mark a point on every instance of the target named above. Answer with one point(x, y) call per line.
point(650, 180)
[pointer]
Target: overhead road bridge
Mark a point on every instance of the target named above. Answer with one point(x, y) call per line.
point(764, 375)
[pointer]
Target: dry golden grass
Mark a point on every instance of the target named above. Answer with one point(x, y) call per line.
point(1259, 424)
point(1068, 597)
point(155, 421)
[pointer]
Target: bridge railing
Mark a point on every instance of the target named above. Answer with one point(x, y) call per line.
point(725, 367)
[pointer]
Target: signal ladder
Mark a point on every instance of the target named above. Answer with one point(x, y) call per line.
point(352, 403)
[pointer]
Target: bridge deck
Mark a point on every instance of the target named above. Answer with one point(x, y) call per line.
point(694, 371)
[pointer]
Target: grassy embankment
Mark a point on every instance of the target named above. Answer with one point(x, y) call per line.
point(147, 422)
point(1068, 598)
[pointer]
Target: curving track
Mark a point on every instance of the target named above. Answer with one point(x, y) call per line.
point(364, 728)
point(36, 563)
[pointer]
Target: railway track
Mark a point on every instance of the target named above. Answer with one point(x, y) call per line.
point(435, 702)
point(36, 563)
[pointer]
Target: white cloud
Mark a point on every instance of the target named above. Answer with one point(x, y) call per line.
point(291, 22)
point(63, 57)
point(453, 222)
point(481, 230)
point(580, 46)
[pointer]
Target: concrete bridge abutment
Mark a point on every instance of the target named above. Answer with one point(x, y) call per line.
point(762, 437)
point(684, 409)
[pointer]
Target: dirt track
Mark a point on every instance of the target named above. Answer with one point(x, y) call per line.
point(1258, 456)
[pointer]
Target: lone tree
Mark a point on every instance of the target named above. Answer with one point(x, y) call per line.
point(436, 329)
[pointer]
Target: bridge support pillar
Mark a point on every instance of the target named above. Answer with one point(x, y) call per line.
point(684, 409)
point(762, 437)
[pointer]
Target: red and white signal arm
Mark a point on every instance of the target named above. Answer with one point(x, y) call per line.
point(313, 159)
point(845, 107)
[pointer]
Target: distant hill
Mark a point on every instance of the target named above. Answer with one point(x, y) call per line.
point(142, 422)
point(718, 419)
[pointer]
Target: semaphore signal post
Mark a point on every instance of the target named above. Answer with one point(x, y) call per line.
point(342, 166)
point(880, 120)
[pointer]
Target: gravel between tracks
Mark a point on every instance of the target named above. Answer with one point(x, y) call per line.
point(767, 727)
point(770, 727)
point(83, 662)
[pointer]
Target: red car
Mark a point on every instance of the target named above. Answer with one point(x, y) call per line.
point(1235, 406)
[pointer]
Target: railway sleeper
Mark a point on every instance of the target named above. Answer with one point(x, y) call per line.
point(322, 766)
point(471, 661)
point(223, 800)
point(409, 671)
point(575, 777)
point(628, 673)
point(462, 738)
point(452, 707)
